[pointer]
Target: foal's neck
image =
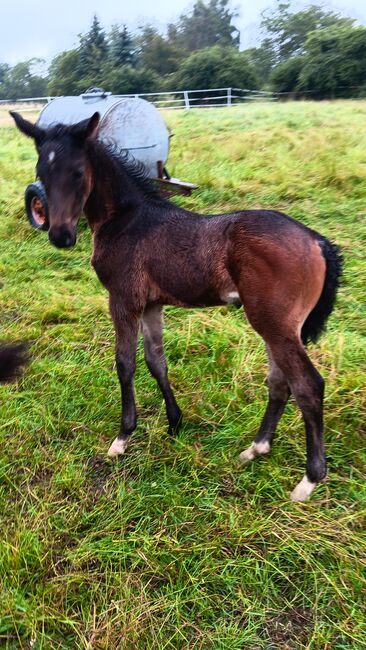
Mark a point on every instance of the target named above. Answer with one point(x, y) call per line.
point(114, 193)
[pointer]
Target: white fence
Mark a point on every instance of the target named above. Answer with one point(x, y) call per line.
point(206, 98)
point(183, 99)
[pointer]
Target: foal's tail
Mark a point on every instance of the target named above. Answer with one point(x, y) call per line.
point(12, 357)
point(315, 322)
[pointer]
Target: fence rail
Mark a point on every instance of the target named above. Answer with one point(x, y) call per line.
point(180, 99)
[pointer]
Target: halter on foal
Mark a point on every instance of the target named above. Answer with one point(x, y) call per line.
point(149, 253)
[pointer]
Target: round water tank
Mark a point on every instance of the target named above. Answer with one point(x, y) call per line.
point(133, 124)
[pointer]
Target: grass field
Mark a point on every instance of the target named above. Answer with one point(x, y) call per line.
point(176, 546)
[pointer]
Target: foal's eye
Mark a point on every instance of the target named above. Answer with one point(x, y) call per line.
point(77, 174)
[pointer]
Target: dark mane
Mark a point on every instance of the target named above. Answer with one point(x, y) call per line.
point(122, 170)
point(135, 170)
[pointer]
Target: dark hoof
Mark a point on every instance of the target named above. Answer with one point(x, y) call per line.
point(174, 428)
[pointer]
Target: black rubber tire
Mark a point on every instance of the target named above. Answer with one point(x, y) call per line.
point(36, 206)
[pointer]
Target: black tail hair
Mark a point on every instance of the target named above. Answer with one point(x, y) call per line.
point(316, 321)
point(12, 357)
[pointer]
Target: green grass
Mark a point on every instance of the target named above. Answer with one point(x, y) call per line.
point(176, 546)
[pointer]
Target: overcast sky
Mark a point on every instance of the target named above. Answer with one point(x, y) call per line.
point(42, 28)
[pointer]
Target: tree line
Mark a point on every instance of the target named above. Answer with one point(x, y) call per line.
point(313, 51)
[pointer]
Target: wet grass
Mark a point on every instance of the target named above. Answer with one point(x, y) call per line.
point(175, 546)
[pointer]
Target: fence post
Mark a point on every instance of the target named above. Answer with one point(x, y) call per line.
point(186, 99)
point(229, 96)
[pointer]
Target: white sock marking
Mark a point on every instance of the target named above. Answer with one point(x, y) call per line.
point(255, 449)
point(117, 448)
point(231, 298)
point(303, 490)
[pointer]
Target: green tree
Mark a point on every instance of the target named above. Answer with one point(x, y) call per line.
point(4, 71)
point(286, 31)
point(127, 79)
point(162, 55)
point(93, 52)
point(215, 67)
point(263, 60)
point(207, 25)
point(73, 71)
point(122, 49)
point(285, 76)
point(20, 81)
point(4, 74)
point(64, 78)
point(335, 62)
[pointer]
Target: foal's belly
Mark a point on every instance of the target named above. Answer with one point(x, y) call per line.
point(184, 295)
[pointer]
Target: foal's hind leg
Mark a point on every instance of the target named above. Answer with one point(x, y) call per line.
point(152, 328)
point(278, 394)
point(307, 387)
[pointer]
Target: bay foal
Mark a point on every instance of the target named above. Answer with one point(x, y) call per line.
point(149, 253)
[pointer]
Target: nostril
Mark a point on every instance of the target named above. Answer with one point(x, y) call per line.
point(61, 238)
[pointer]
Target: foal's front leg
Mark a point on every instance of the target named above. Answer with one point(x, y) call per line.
point(127, 327)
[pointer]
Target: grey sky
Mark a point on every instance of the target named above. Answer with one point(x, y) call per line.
point(43, 28)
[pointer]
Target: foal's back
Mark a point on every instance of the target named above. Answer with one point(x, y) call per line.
point(173, 256)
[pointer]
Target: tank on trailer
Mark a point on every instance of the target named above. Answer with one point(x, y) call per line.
point(130, 123)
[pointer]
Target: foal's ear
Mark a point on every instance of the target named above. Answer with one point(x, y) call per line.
point(87, 128)
point(29, 129)
point(93, 124)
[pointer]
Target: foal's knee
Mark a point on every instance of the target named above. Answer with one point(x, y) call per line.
point(125, 367)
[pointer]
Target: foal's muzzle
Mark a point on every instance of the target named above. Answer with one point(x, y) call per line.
point(62, 236)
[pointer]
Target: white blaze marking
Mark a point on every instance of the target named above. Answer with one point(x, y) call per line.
point(117, 448)
point(51, 156)
point(255, 449)
point(303, 490)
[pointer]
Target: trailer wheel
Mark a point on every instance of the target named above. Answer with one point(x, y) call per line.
point(36, 206)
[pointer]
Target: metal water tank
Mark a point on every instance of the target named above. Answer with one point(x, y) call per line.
point(130, 123)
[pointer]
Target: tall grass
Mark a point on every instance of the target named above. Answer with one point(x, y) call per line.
point(176, 546)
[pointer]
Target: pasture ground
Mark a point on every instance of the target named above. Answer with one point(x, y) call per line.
point(176, 546)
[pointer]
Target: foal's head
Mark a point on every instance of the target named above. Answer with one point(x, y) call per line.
point(64, 171)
